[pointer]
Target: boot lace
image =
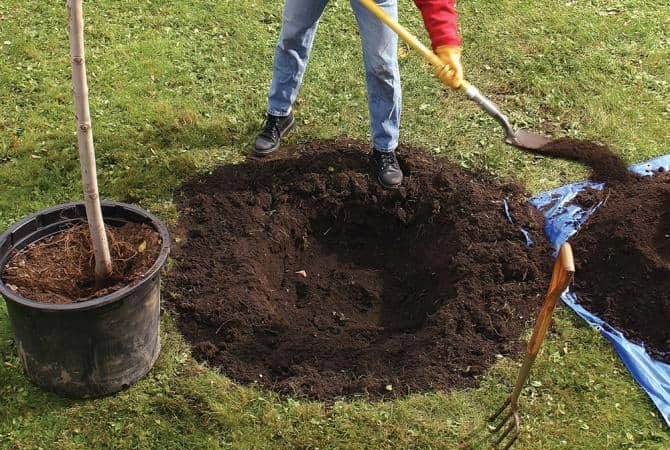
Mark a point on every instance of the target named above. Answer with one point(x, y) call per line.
point(387, 159)
point(271, 128)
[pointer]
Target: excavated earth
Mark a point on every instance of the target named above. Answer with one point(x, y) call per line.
point(301, 274)
point(623, 262)
point(623, 252)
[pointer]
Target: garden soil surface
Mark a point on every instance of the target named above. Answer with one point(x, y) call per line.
point(60, 269)
point(622, 254)
point(301, 274)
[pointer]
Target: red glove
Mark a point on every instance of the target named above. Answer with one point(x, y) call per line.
point(441, 21)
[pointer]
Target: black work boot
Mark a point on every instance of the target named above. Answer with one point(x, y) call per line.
point(274, 129)
point(387, 169)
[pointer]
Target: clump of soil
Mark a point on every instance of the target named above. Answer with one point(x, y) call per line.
point(588, 198)
point(623, 252)
point(302, 274)
point(60, 269)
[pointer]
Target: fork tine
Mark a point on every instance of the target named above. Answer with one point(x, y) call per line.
point(500, 410)
point(503, 421)
point(504, 434)
point(512, 440)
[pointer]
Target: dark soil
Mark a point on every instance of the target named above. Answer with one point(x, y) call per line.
point(588, 198)
point(605, 165)
point(623, 252)
point(61, 267)
point(623, 262)
point(302, 274)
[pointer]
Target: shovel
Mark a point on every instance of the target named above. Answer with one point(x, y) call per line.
point(518, 138)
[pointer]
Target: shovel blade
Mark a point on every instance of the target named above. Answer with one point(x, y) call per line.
point(528, 140)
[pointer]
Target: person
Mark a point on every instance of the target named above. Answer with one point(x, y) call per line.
point(299, 24)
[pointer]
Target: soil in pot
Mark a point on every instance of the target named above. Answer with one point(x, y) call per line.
point(300, 273)
point(622, 254)
point(60, 268)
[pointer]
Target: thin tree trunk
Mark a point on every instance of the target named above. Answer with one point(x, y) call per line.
point(103, 261)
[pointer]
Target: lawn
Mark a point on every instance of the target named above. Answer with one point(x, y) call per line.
point(178, 87)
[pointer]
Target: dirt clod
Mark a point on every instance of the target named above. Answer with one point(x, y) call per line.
point(588, 198)
point(416, 288)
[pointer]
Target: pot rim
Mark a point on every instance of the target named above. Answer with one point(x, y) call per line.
point(99, 301)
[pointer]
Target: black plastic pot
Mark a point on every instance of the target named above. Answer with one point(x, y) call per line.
point(96, 347)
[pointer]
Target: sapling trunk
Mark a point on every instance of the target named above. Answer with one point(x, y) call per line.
point(103, 260)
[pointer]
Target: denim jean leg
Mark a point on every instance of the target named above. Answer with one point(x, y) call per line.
point(380, 52)
point(299, 23)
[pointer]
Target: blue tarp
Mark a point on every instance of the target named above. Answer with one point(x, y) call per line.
point(562, 220)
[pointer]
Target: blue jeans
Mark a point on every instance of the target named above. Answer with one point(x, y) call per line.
point(300, 21)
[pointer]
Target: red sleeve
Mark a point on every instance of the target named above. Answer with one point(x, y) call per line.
point(441, 21)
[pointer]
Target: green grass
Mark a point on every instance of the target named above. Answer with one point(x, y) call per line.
point(178, 87)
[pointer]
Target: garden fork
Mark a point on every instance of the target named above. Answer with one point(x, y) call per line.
point(506, 419)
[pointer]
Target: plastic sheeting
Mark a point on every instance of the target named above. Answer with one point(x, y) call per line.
point(562, 220)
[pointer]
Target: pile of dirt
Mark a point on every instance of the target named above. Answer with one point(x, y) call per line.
point(300, 273)
point(623, 262)
point(60, 269)
point(623, 252)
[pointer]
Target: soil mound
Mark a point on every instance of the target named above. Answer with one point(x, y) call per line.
point(302, 274)
point(623, 252)
point(61, 268)
point(623, 262)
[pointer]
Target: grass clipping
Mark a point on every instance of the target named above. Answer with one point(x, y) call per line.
point(61, 268)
